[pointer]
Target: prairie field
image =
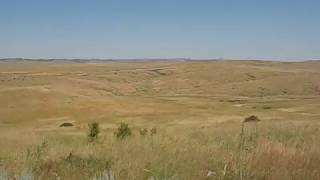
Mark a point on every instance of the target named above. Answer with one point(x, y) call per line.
point(185, 120)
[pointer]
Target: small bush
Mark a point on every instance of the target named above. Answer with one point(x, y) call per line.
point(153, 131)
point(143, 131)
point(123, 131)
point(93, 131)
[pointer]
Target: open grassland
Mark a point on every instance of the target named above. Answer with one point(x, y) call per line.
point(197, 108)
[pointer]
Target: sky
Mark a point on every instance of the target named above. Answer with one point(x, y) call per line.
point(198, 29)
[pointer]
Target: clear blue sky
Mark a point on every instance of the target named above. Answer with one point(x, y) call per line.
point(242, 29)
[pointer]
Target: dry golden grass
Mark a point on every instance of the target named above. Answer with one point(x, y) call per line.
point(197, 108)
point(284, 151)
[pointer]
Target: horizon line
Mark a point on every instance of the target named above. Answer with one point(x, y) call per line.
point(175, 58)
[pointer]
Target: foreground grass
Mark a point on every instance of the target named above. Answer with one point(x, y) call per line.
point(278, 150)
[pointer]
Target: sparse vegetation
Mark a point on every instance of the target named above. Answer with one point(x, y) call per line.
point(212, 153)
point(123, 131)
point(153, 131)
point(143, 131)
point(93, 131)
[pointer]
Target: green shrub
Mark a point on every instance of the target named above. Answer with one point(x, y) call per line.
point(123, 131)
point(93, 131)
point(143, 131)
point(153, 131)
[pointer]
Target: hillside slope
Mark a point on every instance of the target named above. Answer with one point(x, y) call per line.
point(42, 95)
